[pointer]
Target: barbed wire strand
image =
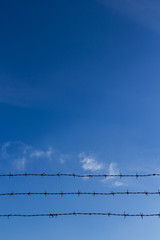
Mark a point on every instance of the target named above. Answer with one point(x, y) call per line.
point(79, 193)
point(82, 213)
point(78, 175)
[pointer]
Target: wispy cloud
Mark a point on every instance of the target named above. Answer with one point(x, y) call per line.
point(118, 184)
point(20, 155)
point(64, 157)
point(16, 153)
point(20, 163)
point(90, 163)
point(146, 12)
point(113, 170)
point(42, 154)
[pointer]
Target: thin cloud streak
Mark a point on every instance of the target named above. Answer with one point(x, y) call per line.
point(146, 12)
point(14, 93)
point(23, 94)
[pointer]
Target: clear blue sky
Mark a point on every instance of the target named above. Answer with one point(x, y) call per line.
point(79, 92)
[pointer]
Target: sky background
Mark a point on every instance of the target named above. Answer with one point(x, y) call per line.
point(79, 92)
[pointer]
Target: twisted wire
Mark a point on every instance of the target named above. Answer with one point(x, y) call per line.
point(79, 193)
point(79, 175)
point(83, 213)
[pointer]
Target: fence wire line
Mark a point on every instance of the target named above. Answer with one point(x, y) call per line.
point(79, 193)
point(79, 175)
point(83, 213)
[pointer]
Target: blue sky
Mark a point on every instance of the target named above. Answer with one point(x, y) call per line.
point(79, 92)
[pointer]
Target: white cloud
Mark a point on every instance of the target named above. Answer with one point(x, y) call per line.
point(113, 170)
point(64, 157)
point(147, 12)
point(118, 184)
point(42, 154)
point(49, 153)
point(37, 154)
point(4, 147)
point(19, 155)
point(20, 163)
point(90, 163)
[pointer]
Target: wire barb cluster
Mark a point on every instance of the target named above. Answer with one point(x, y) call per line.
point(79, 193)
point(83, 213)
point(79, 175)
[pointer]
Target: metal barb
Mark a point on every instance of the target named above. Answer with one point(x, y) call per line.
point(78, 175)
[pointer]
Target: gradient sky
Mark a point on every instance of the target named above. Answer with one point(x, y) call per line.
point(79, 92)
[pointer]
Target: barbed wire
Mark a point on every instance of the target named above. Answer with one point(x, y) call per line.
point(79, 193)
point(82, 213)
point(79, 175)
